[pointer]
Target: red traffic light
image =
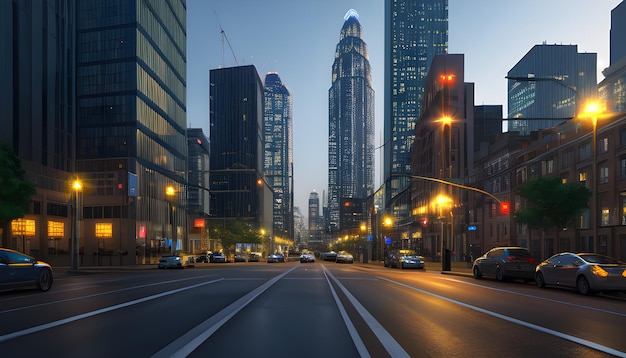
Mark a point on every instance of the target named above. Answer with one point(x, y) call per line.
point(505, 208)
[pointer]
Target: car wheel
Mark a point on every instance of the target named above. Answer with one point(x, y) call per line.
point(44, 281)
point(539, 280)
point(499, 274)
point(582, 285)
point(477, 274)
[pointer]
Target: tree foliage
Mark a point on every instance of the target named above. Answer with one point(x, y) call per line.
point(237, 231)
point(15, 190)
point(551, 202)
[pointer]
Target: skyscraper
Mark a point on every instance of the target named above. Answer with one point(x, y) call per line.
point(415, 31)
point(351, 120)
point(548, 86)
point(238, 188)
point(37, 82)
point(131, 124)
point(278, 163)
point(612, 89)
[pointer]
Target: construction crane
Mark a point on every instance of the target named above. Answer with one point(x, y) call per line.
point(227, 41)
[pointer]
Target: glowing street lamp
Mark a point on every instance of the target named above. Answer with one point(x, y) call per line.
point(169, 193)
point(77, 187)
point(592, 110)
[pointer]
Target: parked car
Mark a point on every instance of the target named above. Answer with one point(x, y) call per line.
point(588, 273)
point(329, 256)
point(307, 258)
point(202, 258)
point(505, 263)
point(217, 257)
point(253, 258)
point(176, 261)
point(240, 258)
point(344, 257)
point(275, 258)
point(411, 261)
point(20, 270)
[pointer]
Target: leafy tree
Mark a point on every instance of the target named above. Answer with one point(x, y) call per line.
point(15, 191)
point(237, 231)
point(552, 203)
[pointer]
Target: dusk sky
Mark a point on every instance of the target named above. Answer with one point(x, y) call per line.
point(297, 39)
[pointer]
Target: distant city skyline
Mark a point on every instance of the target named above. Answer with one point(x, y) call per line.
point(274, 37)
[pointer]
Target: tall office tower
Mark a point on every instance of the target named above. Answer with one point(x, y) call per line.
point(487, 124)
point(612, 89)
point(236, 137)
point(278, 163)
point(38, 101)
point(618, 33)
point(549, 85)
point(351, 120)
point(415, 31)
point(131, 125)
point(198, 188)
point(314, 211)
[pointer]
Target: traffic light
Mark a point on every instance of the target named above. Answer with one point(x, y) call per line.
point(505, 208)
point(424, 222)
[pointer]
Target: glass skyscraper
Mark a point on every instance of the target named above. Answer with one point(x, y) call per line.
point(415, 31)
point(351, 121)
point(131, 126)
point(548, 86)
point(278, 161)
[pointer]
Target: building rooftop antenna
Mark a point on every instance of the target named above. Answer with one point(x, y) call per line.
point(227, 41)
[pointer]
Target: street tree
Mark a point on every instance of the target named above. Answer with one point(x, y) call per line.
point(237, 231)
point(15, 190)
point(551, 203)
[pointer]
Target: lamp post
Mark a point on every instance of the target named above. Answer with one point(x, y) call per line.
point(170, 192)
point(593, 110)
point(77, 186)
point(443, 201)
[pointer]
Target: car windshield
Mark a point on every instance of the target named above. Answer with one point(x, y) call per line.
point(599, 259)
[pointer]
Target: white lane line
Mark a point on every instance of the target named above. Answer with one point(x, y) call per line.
point(540, 298)
point(189, 341)
point(391, 345)
point(103, 293)
point(568, 337)
point(42, 327)
point(358, 342)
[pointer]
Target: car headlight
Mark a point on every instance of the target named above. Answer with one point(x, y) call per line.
point(599, 271)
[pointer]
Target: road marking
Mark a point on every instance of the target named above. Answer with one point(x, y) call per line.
point(103, 293)
point(358, 342)
point(389, 343)
point(191, 340)
point(540, 298)
point(568, 337)
point(42, 327)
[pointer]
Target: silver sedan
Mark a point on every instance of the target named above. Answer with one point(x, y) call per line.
point(586, 272)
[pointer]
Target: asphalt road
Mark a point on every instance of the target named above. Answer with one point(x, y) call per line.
point(306, 310)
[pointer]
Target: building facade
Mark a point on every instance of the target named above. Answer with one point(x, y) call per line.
point(98, 98)
point(415, 31)
point(239, 190)
point(351, 121)
point(612, 89)
point(439, 154)
point(131, 128)
point(278, 152)
point(198, 190)
point(549, 85)
point(37, 97)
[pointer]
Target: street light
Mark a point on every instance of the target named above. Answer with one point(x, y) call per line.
point(77, 186)
point(170, 192)
point(592, 110)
